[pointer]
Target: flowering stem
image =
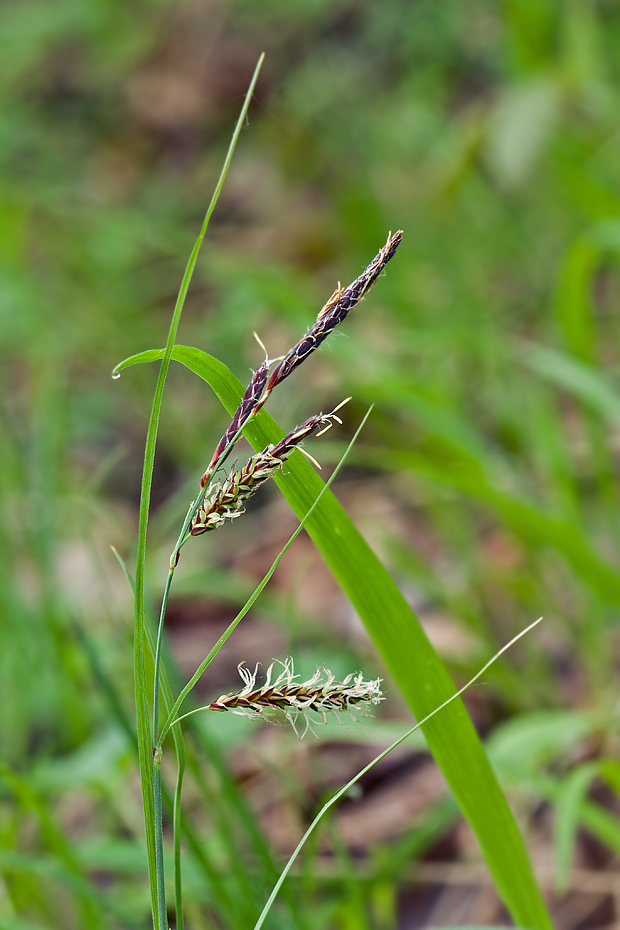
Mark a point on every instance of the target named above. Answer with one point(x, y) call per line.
point(176, 817)
point(159, 843)
point(172, 716)
point(158, 644)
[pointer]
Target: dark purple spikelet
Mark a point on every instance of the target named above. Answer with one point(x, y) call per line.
point(226, 500)
point(245, 409)
point(333, 313)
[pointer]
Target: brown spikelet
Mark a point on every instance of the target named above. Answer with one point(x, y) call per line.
point(244, 411)
point(333, 313)
point(226, 501)
point(321, 694)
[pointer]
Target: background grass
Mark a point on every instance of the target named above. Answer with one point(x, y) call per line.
point(488, 133)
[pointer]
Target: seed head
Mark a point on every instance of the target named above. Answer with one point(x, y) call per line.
point(335, 310)
point(321, 694)
point(225, 501)
point(333, 313)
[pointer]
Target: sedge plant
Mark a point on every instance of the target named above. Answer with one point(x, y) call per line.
point(395, 630)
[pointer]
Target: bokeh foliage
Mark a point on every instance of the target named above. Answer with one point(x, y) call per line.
point(487, 131)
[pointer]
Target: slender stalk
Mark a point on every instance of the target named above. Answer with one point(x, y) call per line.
point(159, 844)
point(176, 821)
point(181, 824)
point(158, 642)
point(157, 798)
point(152, 817)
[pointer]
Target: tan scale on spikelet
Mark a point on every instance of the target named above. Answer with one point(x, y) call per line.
point(226, 500)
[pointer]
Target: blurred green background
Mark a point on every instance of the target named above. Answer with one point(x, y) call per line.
point(488, 474)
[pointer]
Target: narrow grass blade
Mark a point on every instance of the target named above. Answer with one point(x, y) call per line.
point(576, 377)
point(145, 749)
point(574, 298)
point(568, 804)
point(602, 824)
